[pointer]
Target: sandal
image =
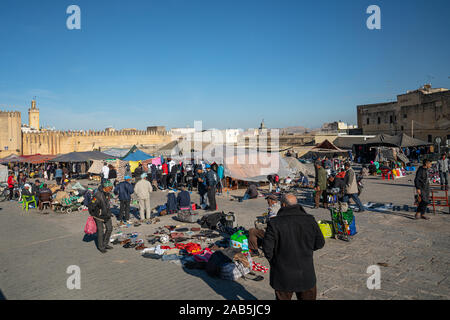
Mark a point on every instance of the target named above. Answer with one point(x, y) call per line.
point(125, 241)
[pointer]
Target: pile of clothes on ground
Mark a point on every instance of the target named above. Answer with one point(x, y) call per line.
point(222, 252)
point(72, 198)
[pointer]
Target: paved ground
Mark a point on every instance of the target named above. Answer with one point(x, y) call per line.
point(36, 249)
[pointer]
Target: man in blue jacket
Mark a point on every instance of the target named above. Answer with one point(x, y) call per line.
point(124, 190)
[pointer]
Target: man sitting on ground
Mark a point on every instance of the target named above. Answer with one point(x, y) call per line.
point(251, 193)
point(183, 198)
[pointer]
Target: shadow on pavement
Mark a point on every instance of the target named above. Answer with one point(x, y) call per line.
point(90, 237)
point(229, 290)
point(2, 296)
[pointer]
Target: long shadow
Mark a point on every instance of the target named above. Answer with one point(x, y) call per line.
point(395, 213)
point(230, 290)
point(396, 185)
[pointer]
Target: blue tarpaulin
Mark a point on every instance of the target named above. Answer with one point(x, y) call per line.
point(137, 155)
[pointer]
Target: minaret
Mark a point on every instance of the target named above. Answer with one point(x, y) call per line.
point(262, 126)
point(33, 115)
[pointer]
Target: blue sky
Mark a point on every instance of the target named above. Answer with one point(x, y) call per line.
point(229, 63)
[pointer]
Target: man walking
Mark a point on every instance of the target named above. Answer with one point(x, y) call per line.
point(143, 189)
point(320, 185)
point(351, 187)
point(289, 242)
point(124, 190)
point(100, 210)
point(422, 185)
point(442, 167)
point(211, 182)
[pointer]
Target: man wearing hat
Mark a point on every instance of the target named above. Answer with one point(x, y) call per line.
point(256, 234)
point(124, 190)
point(101, 212)
point(26, 190)
point(143, 188)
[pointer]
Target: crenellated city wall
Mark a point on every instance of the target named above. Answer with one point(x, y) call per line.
point(60, 142)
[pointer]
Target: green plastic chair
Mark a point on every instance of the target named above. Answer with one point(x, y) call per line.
point(27, 200)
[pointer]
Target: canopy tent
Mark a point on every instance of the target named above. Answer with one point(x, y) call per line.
point(406, 141)
point(117, 152)
point(137, 155)
point(297, 167)
point(81, 156)
point(401, 140)
point(247, 164)
point(347, 142)
point(326, 148)
point(11, 158)
point(3, 173)
point(37, 158)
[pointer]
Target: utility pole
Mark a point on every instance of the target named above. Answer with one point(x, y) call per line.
point(412, 128)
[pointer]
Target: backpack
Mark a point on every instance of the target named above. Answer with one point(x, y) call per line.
point(211, 220)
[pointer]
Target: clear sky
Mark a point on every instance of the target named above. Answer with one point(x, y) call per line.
point(229, 63)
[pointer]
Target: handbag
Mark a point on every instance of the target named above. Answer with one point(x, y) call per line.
point(91, 226)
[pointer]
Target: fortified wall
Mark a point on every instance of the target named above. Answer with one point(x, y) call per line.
point(10, 133)
point(60, 142)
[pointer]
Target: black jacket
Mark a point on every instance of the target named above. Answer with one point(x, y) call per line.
point(289, 242)
point(102, 205)
point(421, 182)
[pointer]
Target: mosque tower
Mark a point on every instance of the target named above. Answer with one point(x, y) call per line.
point(33, 115)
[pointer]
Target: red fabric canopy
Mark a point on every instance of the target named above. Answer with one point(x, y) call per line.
point(37, 158)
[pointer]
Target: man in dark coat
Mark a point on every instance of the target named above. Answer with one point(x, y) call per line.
point(100, 208)
point(289, 242)
point(211, 183)
point(423, 189)
point(124, 190)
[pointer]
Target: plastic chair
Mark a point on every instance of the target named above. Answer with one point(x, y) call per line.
point(27, 200)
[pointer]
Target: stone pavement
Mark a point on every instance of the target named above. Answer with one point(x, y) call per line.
point(36, 249)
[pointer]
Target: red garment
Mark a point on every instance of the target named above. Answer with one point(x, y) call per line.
point(11, 182)
point(165, 168)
